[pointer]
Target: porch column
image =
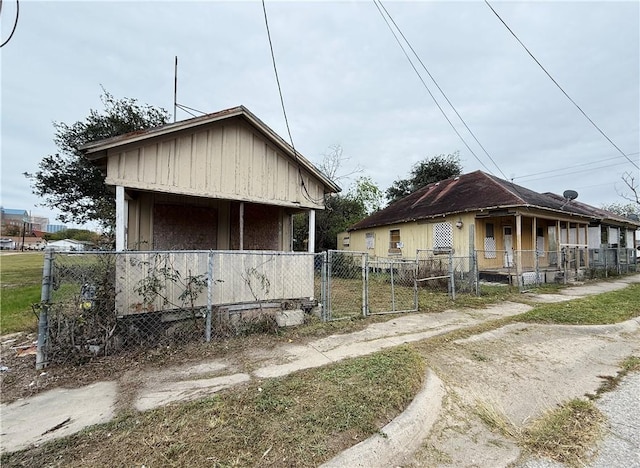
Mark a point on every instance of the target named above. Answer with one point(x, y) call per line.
point(534, 236)
point(311, 246)
point(519, 244)
point(121, 227)
point(558, 248)
point(241, 218)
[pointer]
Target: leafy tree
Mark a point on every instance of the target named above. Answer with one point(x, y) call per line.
point(341, 211)
point(67, 181)
point(368, 194)
point(434, 169)
point(75, 234)
point(627, 210)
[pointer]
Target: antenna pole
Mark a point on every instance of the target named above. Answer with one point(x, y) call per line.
point(175, 90)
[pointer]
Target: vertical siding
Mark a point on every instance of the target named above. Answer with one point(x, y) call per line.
point(225, 161)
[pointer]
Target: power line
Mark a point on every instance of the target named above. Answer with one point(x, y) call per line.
point(15, 24)
point(305, 191)
point(575, 172)
point(560, 87)
point(441, 91)
point(427, 87)
point(571, 167)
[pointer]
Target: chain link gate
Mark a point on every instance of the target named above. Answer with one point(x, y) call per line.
point(392, 285)
point(346, 279)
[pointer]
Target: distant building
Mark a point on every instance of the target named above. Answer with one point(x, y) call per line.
point(53, 228)
point(70, 245)
point(11, 217)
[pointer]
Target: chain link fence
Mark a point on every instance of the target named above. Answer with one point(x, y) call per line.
point(101, 302)
point(441, 270)
point(98, 303)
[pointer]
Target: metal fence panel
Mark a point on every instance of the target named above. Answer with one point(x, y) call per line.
point(392, 285)
point(346, 278)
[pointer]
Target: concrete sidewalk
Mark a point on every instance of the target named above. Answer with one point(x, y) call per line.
point(58, 413)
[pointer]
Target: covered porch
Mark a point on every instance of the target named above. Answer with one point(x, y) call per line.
point(164, 221)
point(523, 243)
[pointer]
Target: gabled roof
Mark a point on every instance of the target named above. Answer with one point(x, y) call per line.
point(473, 192)
point(98, 149)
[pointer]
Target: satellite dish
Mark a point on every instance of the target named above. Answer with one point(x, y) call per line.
point(570, 195)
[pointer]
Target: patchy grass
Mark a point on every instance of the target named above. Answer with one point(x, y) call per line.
point(496, 420)
point(566, 434)
point(605, 308)
point(21, 279)
point(300, 420)
point(609, 383)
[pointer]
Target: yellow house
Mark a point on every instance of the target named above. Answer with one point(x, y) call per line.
point(223, 181)
point(506, 225)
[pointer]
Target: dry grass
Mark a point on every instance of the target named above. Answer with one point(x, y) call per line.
point(566, 434)
point(300, 420)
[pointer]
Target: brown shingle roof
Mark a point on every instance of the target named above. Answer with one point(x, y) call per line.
point(472, 192)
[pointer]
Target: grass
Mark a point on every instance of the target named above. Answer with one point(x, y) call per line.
point(566, 434)
point(21, 279)
point(299, 420)
point(605, 308)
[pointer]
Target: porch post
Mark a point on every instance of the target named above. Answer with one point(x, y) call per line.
point(120, 219)
point(241, 217)
point(519, 245)
point(311, 246)
point(558, 248)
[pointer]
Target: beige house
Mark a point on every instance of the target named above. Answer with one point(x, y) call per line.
point(223, 181)
point(506, 225)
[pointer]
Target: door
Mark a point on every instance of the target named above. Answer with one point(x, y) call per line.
point(507, 235)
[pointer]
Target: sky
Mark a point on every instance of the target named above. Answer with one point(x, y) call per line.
point(345, 81)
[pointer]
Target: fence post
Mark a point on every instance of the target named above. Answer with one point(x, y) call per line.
point(365, 301)
point(476, 271)
point(327, 312)
point(393, 291)
point(207, 326)
point(452, 281)
point(43, 320)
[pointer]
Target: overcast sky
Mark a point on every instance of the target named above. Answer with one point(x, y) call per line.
point(345, 81)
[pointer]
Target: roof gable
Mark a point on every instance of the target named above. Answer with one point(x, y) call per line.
point(98, 150)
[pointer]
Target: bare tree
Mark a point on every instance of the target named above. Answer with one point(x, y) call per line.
point(632, 192)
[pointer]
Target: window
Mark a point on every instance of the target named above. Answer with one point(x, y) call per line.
point(489, 241)
point(370, 240)
point(604, 234)
point(346, 241)
point(394, 241)
point(442, 236)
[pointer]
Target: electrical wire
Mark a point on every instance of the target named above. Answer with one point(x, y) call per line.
point(575, 172)
point(15, 24)
point(424, 84)
point(560, 87)
point(571, 167)
point(441, 91)
point(305, 191)
point(185, 110)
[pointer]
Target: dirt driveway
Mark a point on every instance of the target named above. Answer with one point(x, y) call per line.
point(519, 371)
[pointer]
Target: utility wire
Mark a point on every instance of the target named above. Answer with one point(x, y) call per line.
point(576, 172)
point(15, 24)
point(305, 191)
point(560, 87)
point(427, 87)
point(571, 167)
point(440, 89)
point(185, 110)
